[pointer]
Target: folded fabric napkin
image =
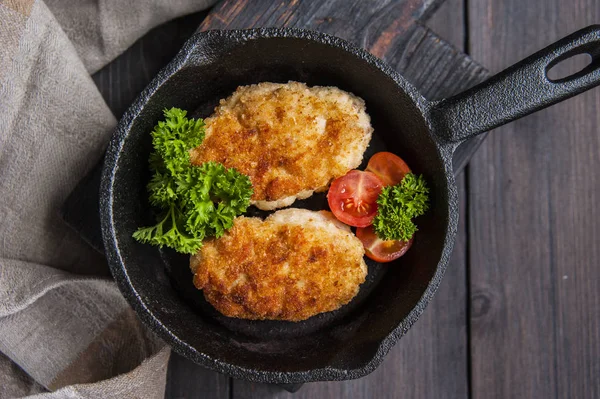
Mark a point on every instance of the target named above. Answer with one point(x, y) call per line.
point(64, 326)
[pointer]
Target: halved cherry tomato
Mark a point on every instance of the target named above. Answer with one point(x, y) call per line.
point(381, 250)
point(353, 197)
point(388, 167)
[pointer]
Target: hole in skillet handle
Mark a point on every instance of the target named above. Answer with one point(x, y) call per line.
point(577, 59)
point(570, 66)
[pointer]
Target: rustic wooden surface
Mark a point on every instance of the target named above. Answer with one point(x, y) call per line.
point(517, 312)
point(534, 222)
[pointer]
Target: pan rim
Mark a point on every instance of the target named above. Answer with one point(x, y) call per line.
point(117, 264)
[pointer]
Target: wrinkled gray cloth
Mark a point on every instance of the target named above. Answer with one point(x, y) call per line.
point(64, 327)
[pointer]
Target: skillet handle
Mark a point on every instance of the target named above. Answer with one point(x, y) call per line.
point(519, 90)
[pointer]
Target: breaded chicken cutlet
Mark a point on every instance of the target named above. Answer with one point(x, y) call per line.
point(290, 139)
point(291, 266)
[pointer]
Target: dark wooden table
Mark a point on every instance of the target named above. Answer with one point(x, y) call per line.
point(518, 313)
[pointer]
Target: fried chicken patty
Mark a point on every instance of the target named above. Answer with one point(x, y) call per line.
point(290, 139)
point(291, 266)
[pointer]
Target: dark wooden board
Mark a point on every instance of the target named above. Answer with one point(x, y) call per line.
point(186, 379)
point(534, 222)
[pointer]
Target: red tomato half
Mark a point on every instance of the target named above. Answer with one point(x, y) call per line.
point(353, 197)
point(388, 167)
point(381, 250)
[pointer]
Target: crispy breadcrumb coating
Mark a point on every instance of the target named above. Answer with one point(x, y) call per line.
point(291, 266)
point(290, 139)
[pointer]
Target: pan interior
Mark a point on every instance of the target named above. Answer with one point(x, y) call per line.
point(344, 339)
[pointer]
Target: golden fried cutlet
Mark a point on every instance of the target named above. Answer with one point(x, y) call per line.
point(291, 140)
point(291, 266)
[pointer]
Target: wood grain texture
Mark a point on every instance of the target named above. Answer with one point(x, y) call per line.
point(534, 222)
point(185, 379)
point(375, 25)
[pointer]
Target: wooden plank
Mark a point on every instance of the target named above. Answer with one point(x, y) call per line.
point(448, 23)
point(377, 26)
point(533, 226)
point(186, 379)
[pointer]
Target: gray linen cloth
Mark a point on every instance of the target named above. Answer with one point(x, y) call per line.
point(64, 326)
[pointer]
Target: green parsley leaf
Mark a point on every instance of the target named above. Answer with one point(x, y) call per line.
point(170, 232)
point(200, 201)
point(174, 137)
point(398, 205)
point(215, 196)
point(162, 189)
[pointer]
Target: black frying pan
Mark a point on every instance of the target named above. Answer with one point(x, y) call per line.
point(352, 341)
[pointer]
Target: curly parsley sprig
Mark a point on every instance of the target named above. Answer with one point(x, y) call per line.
point(398, 205)
point(169, 232)
point(196, 201)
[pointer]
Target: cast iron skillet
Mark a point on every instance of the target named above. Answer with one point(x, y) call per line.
point(352, 341)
